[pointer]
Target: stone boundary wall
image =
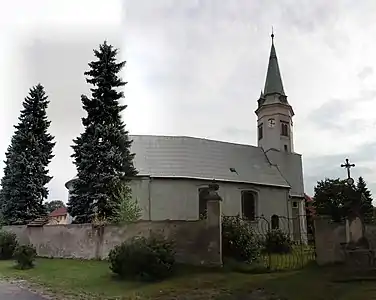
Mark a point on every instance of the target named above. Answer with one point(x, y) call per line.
point(195, 240)
point(370, 234)
point(328, 239)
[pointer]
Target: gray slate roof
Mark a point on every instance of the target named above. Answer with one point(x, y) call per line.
point(188, 157)
point(197, 158)
point(290, 165)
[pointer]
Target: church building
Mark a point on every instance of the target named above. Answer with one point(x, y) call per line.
point(264, 180)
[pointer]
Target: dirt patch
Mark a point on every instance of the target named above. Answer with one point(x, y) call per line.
point(258, 294)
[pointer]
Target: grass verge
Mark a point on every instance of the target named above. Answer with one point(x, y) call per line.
point(74, 279)
point(94, 280)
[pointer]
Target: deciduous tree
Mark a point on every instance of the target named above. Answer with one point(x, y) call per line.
point(53, 205)
point(335, 198)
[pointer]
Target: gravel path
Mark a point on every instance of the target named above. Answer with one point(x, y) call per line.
point(10, 291)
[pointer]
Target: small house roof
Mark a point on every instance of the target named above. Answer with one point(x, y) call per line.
point(61, 211)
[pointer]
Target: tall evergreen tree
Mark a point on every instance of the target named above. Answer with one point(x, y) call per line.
point(366, 207)
point(102, 152)
point(30, 152)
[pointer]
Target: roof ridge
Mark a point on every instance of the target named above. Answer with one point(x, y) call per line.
point(276, 166)
point(192, 137)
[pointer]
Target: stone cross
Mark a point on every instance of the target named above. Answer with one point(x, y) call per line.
point(348, 166)
point(213, 192)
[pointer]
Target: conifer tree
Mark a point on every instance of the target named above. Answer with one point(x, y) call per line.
point(27, 158)
point(102, 152)
point(366, 207)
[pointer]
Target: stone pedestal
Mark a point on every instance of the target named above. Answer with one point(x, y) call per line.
point(214, 223)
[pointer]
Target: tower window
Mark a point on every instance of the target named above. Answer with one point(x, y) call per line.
point(260, 132)
point(284, 128)
point(285, 146)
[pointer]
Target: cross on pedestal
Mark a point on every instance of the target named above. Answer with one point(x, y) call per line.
point(348, 166)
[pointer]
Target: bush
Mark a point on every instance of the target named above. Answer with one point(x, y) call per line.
point(129, 210)
point(276, 241)
point(8, 243)
point(239, 241)
point(25, 256)
point(146, 259)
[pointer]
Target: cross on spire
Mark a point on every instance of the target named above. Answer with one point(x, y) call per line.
point(348, 166)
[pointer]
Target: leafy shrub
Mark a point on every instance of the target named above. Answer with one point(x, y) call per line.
point(25, 256)
point(146, 259)
point(276, 241)
point(239, 241)
point(129, 210)
point(8, 243)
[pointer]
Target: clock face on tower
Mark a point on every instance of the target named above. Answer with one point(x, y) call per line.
point(271, 123)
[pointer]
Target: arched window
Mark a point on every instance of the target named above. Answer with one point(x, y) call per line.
point(275, 222)
point(284, 128)
point(249, 205)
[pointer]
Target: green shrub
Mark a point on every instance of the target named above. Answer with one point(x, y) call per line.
point(25, 256)
point(8, 243)
point(129, 210)
point(276, 241)
point(239, 241)
point(146, 259)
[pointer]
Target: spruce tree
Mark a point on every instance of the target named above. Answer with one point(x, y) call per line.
point(102, 152)
point(27, 158)
point(366, 200)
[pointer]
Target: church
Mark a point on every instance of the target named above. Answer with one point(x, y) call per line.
point(264, 180)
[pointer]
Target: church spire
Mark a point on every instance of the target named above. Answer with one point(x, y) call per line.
point(273, 83)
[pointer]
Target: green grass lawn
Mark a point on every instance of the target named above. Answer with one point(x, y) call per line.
point(94, 279)
point(298, 258)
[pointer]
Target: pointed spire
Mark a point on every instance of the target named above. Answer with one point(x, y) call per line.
point(273, 83)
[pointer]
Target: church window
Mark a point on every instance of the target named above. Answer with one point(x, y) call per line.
point(284, 129)
point(285, 147)
point(249, 205)
point(260, 132)
point(202, 204)
point(295, 204)
point(275, 222)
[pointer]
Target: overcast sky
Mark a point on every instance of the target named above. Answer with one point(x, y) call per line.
point(197, 67)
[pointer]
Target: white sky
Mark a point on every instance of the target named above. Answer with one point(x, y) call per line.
point(196, 68)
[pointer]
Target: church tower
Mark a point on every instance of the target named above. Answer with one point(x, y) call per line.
point(274, 113)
